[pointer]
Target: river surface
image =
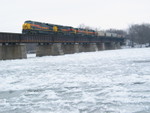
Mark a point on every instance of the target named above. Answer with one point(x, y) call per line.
point(115, 81)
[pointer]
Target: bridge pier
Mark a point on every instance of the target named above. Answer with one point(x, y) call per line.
point(81, 48)
point(43, 50)
point(1, 56)
point(101, 46)
point(107, 46)
point(57, 49)
point(113, 45)
point(85, 47)
point(68, 48)
point(110, 45)
point(60, 49)
point(12, 51)
point(93, 47)
point(118, 45)
point(50, 49)
point(76, 48)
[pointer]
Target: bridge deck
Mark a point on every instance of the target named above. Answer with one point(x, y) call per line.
point(54, 38)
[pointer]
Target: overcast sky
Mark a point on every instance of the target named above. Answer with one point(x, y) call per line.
point(103, 14)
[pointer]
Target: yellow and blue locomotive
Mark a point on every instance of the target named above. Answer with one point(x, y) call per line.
point(32, 27)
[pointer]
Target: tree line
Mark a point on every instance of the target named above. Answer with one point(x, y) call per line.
point(139, 33)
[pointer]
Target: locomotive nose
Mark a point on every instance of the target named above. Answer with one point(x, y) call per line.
point(26, 26)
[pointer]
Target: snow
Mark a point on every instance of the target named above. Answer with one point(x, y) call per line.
point(115, 81)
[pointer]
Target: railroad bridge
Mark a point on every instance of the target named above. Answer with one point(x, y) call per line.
point(13, 45)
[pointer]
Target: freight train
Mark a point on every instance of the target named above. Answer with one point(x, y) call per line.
point(32, 27)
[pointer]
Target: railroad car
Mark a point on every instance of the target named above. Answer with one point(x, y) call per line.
point(101, 33)
point(108, 34)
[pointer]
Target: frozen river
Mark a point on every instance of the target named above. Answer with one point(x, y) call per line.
point(116, 81)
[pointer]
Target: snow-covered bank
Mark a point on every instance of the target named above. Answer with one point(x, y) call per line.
point(114, 81)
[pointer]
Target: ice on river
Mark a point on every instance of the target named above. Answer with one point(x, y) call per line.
point(115, 81)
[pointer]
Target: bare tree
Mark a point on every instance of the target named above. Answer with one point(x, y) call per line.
point(139, 33)
point(83, 26)
point(117, 31)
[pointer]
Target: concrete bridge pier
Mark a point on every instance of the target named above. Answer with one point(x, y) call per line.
point(1, 56)
point(101, 46)
point(107, 46)
point(68, 48)
point(110, 45)
point(118, 45)
point(79, 48)
point(93, 47)
point(49, 49)
point(43, 50)
point(82, 47)
point(57, 49)
point(113, 45)
point(12, 51)
point(86, 48)
point(76, 48)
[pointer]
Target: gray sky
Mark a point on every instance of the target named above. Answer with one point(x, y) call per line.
point(102, 14)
